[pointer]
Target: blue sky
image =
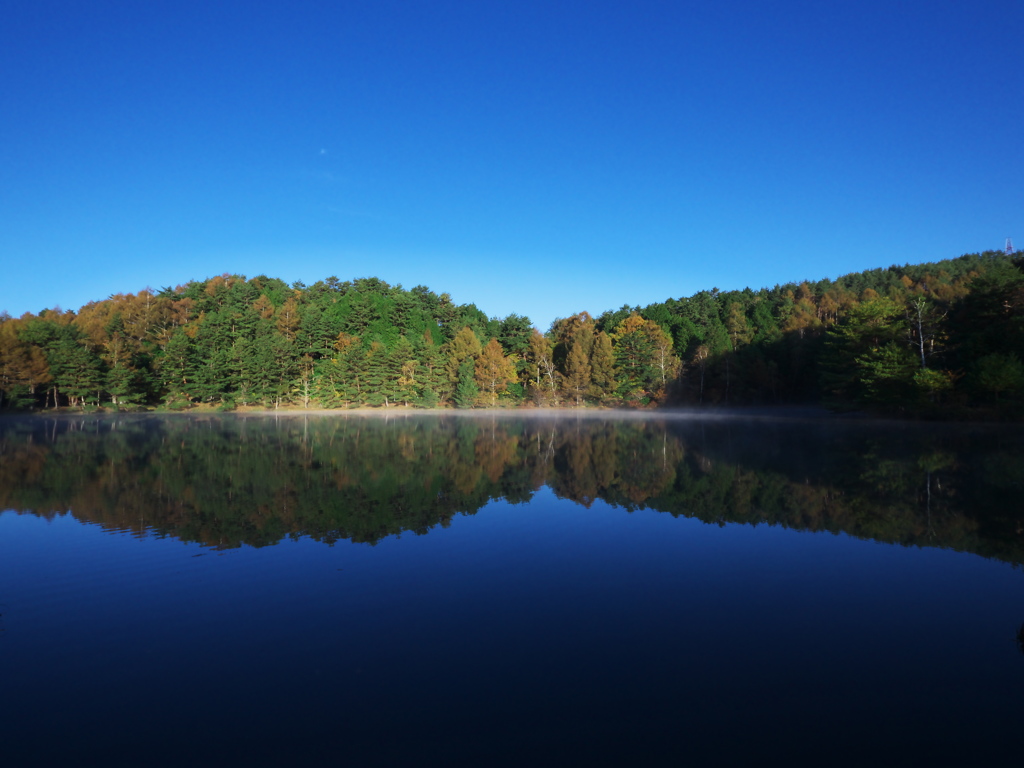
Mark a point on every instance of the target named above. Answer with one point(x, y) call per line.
point(540, 158)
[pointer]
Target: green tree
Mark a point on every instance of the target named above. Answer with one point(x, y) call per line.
point(1000, 373)
point(432, 374)
point(854, 369)
point(75, 371)
point(602, 367)
point(404, 368)
point(644, 361)
point(886, 375)
point(466, 391)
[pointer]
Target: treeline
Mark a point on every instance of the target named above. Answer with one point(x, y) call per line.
point(931, 338)
point(235, 342)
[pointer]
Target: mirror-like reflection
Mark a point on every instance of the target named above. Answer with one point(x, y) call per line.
point(577, 599)
point(225, 481)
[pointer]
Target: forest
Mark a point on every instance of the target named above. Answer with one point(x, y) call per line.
point(934, 340)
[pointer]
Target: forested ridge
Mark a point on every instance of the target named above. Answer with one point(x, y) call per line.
point(941, 339)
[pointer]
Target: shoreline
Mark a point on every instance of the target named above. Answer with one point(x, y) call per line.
point(781, 413)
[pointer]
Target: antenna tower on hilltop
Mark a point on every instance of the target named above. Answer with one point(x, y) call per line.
point(1009, 247)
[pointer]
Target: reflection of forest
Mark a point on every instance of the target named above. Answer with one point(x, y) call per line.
point(227, 481)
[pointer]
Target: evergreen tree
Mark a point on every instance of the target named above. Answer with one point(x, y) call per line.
point(634, 358)
point(403, 368)
point(602, 368)
point(854, 367)
point(175, 367)
point(998, 374)
point(466, 391)
point(431, 375)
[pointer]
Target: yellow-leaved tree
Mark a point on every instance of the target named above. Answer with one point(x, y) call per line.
point(493, 371)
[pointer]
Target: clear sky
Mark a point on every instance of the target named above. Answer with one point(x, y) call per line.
point(540, 158)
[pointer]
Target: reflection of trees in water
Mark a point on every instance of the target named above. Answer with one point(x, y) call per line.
point(229, 481)
point(623, 463)
point(932, 464)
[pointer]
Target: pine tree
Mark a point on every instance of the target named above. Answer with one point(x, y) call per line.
point(402, 367)
point(853, 365)
point(634, 355)
point(602, 367)
point(466, 391)
point(431, 374)
point(175, 367)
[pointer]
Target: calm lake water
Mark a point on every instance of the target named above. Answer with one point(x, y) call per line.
point(439, 589)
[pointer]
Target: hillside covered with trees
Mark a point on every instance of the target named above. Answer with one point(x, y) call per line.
point(937, 339)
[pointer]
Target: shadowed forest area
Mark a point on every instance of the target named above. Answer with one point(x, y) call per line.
point(936, 340)
point(225, 481)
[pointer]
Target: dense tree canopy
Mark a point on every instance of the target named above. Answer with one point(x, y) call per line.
point(937, 339)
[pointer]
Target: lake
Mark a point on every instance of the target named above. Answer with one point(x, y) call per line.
point(438, 589)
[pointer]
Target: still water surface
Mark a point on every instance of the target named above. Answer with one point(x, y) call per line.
point(508, 591)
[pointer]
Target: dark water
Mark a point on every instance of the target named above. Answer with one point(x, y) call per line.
point(444, 590)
